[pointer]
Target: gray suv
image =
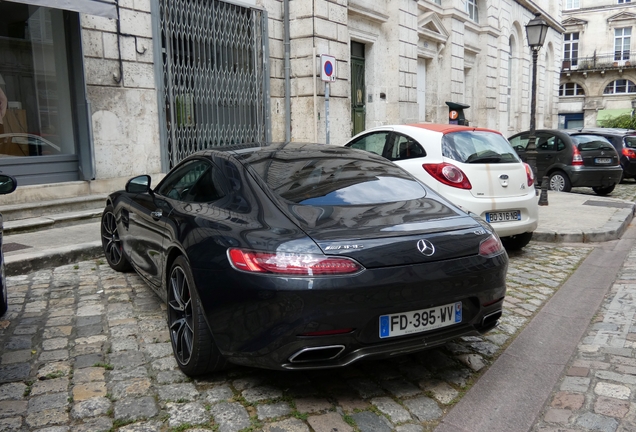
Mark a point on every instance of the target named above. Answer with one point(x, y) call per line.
point(572, 159)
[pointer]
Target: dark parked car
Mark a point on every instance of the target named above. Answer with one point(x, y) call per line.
point(7, 185)
point(572, 159)
point(301, 256)
point(624, 141)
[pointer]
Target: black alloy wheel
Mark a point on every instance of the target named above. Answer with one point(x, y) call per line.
point(192, 343)
point(4, 304)
point(111, 243)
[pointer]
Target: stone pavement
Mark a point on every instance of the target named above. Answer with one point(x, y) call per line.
point(84, 348)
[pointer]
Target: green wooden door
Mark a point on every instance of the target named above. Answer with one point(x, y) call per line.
point(357, 88)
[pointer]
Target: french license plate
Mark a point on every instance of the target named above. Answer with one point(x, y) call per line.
point(420, 320)
point(603, 160)
point(507, 216)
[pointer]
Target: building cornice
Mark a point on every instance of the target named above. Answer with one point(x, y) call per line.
point(360, 8)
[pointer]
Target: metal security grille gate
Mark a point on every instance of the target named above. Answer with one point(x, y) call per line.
point(215, 75)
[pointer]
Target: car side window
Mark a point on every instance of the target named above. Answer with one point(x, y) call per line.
point(195, 181)
point(373, 142)
point(545, 142)
point(519, 143)
point(560, 145)
point(404, 147)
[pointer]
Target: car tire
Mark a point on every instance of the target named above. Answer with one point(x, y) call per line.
point(560, 182)
point(602, 191)
point(192, 342)
point(516, 242)
point(111, 243)
point(4, 304)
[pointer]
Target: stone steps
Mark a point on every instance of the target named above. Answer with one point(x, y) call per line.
point(40, 215)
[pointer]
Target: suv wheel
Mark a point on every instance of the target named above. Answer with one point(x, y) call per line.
point(560, 182)
point(603, 190)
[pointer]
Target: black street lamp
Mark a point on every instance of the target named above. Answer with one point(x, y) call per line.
point(536, 30)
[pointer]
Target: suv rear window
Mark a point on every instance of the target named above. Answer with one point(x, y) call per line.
point(478, 147)
point(592, 142)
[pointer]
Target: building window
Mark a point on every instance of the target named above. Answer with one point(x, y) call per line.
point(571, 89)
point(624, 1)
point(572, 4)
point(471, 10)
point(34, 79)
point(622, 42)
point(571, 49)
point(619, 87)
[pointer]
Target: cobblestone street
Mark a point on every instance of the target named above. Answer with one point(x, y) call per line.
point(87, 349)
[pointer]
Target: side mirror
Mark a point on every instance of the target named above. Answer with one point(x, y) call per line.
point(140, 184)
point(7, 184)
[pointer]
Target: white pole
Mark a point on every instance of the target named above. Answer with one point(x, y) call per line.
point(327, 109)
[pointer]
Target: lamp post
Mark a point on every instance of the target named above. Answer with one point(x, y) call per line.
point(536, 30)
point(633, 106)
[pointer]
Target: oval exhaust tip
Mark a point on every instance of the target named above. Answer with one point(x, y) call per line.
point(314, 354)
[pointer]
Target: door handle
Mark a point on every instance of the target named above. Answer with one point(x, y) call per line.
point(156, 214)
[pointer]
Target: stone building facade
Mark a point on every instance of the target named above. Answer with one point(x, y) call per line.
point(598, 71)
point(397, 61)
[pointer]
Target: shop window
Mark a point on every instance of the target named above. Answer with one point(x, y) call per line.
point(35, 82)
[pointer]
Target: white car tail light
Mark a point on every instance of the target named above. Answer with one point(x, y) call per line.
point(529, 174)
point(448, 174)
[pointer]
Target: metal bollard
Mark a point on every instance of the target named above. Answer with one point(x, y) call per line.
point(543, 198)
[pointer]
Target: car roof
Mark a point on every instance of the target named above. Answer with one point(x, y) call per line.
point(287, 150)
point(449, 128)
point(609, 131)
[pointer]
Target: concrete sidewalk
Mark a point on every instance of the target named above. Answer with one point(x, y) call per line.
point(569, 217)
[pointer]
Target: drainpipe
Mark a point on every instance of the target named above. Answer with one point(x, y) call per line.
point(287, 71)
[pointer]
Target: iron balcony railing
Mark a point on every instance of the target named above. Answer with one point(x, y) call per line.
point(613, 60)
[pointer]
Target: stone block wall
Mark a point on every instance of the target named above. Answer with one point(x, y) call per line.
point(125, 119)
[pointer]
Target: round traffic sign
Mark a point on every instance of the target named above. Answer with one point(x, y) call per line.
point(453, 115)
point(328, 68)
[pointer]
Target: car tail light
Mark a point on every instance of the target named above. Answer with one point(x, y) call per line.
point(448, 174)
point(291, 263)
point(577, 159)
point(529, 174)
point(629, 153)
point(491, 246)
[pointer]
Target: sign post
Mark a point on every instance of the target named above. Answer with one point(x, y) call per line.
point(327, 74)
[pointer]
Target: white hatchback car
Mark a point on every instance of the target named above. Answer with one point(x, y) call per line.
point(474, 168)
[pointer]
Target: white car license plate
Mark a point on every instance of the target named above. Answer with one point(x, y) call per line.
point(420, 320)
point(507, 216)
point(603, 160)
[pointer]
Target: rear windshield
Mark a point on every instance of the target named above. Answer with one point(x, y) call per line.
point(630, 141)
point(477, 147)
point(592, 142)
point(339, 182)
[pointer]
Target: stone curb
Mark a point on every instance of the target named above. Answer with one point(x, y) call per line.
point(613, 229)
point(28, 262)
